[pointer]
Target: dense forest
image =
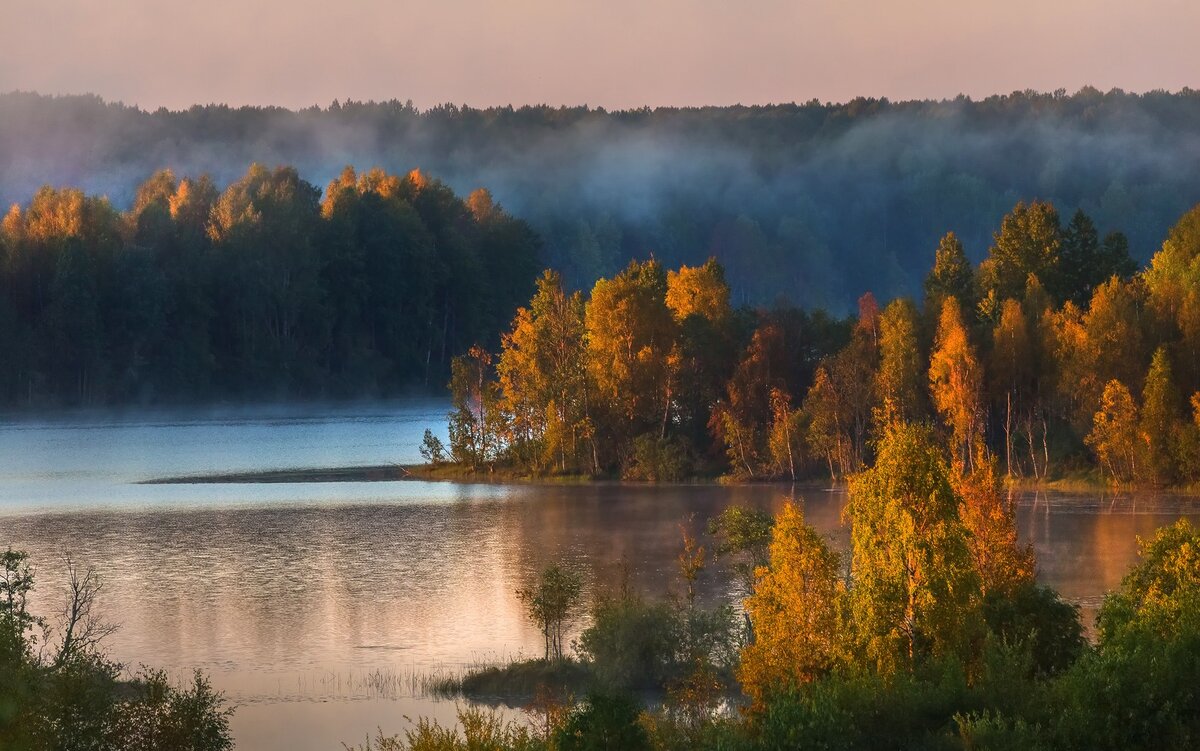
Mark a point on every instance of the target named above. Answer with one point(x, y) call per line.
point(266, 289)
point(833, 199)
point(1054, 355)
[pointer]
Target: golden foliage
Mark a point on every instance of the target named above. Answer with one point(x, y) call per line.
point(955, 381)
point(698, 290)
point(794, 610)
point(989, 515)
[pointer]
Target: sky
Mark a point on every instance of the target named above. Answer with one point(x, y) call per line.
point(609, 53)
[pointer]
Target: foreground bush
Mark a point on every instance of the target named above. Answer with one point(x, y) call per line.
point(59, 693)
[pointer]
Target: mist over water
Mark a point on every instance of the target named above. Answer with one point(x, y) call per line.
point(834, 200)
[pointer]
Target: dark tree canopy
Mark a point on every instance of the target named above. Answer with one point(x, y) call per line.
point(266, 289)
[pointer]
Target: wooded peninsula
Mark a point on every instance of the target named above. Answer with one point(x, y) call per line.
point(1055, 356)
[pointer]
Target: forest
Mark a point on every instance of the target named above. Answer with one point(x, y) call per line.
point(266, 289)
point(1055, 356)
point(835, 199)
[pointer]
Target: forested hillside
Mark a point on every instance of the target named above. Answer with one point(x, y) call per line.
point(269, 288)
point(814, 202)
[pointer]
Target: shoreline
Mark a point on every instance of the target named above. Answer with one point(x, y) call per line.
point(508, 476)
point(442, 473)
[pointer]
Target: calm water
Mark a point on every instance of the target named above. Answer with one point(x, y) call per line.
point(314, 605)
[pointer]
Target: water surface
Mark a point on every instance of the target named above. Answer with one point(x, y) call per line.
point(315, 606)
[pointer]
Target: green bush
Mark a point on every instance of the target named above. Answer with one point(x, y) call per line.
point(604, 722)
point(655, 459)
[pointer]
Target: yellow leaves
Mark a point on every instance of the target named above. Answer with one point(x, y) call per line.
point(1114, 432)
point(418, 179)
point(794, 610)
point(481, 205)
point(698, 290)
point(990, 518)
point(630, 335)
point(955, 380)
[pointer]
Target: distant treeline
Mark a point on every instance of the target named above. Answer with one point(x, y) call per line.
point(267, 289)
point(1052, 351)
point(832, 199)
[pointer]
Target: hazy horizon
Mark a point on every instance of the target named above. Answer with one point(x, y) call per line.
point(622, 55)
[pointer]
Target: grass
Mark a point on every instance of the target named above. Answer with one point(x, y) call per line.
point(519, 679)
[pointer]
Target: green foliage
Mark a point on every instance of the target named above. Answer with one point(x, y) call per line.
point(431, 449)
point(635, 643)
point(522, 680)
point(951, 276)
point(655, 459)
point(1029, 243)
point(478, 729)
point(1161, 595)
point(915, 585)
point(81, 702)
point(604, 722)
point(551, 604)
point(744, 535)
point(631, 642)
point(1035, 619)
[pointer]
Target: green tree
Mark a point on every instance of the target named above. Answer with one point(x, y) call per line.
point(900, 382)
point(551, 604)
point(951, 276)
point(1029, 242)
point(1161, 420)
point(915, 588)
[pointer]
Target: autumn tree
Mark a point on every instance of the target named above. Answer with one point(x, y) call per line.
point(1114, 432)
point(1173, 292)
point(786, 438)
point(827, 432)
point(476, 421)
point(630, 338)
point(955, 383)
point(742, 421)
point(915, 587)
point(989, 515)
point(1011, 373)
point(543, 377)
point(794, 610)
point(705, 351)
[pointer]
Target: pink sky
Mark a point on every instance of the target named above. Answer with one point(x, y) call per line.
point(611, 53)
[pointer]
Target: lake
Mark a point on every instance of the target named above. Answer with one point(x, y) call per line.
point(317, 607)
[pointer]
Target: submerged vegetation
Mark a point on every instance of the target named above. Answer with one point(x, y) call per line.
point(1054, 357)
point(931, 632)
